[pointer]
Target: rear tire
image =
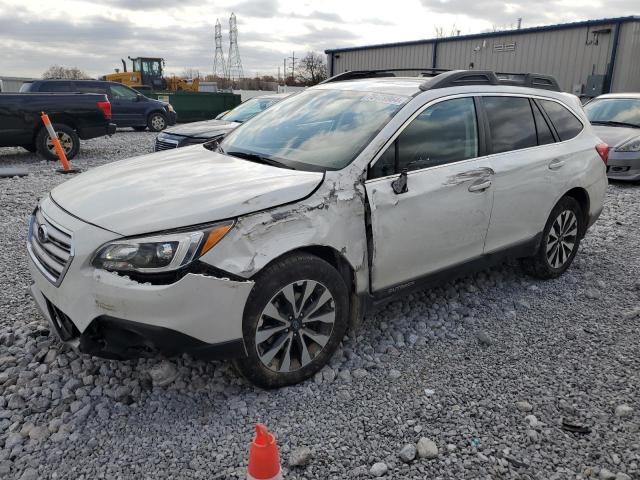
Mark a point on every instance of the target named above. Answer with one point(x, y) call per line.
point(140, 128)
point(560, 241)
point(68, 138)
point(156, 122)
point(307, 331)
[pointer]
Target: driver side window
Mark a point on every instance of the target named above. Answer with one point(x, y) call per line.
point(122, 93)
point(443, 133)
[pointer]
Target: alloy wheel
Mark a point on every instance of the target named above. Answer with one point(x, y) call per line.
point(562, 238)
point(158, 122)
point(65, 140)
point(295, 326)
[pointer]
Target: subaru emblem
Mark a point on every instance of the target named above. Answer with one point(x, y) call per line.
point(43, 234)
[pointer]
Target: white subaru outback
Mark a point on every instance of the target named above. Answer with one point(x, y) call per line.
point(267, 247)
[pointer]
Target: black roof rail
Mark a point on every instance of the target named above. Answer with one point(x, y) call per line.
point(457, 78)
point(441, 78)
point(385, 72)
point(531, 80)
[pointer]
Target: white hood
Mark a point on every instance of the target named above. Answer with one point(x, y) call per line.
point(178, 188)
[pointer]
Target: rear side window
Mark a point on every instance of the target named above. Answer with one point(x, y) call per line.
point(88, 87)
point(511, 123)
point(566, 123)
point(56, 87)
point(544, 132)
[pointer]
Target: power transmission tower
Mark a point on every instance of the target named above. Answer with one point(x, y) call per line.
point(219, 68)
point(293, 66)
point(234, 66)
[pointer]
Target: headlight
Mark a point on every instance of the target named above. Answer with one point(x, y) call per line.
point(630, 146)
point(162, 253)
point(170, 108)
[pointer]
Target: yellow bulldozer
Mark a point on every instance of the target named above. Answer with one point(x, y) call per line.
point(147, 73)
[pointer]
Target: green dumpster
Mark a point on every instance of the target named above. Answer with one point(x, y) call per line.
point(195, 106)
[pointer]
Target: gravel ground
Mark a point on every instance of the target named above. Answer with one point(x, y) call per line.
point(472, 380)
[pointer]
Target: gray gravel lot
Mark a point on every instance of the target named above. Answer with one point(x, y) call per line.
point(472, 380)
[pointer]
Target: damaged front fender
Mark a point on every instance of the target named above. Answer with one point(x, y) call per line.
point(333, 216)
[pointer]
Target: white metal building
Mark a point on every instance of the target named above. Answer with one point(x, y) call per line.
point(12, 84)
point(587, 58)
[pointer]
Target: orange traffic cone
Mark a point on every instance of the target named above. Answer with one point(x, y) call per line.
point(264, 461)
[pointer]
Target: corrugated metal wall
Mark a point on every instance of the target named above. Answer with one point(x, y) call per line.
point(385, 57)
point(626, 77)
point(570, 54)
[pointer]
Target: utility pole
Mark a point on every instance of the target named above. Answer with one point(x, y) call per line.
point(293, 66)
point(284, 71)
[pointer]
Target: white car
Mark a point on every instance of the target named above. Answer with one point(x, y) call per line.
point(269, 248)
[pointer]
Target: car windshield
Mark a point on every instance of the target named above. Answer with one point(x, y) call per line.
point(248, 109)
point(317, 129)
point(614, 110)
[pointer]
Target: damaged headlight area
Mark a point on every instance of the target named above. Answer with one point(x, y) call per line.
point(159, 253)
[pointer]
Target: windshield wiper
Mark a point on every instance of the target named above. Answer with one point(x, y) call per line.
point(612, 123)
point(254, 157)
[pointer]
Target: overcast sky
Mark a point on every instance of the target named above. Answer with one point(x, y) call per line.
point(94, 35)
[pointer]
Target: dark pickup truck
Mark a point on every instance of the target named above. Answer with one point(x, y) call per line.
point(74, 116)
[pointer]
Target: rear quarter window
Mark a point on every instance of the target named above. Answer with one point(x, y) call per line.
point(56, 87)
point(566, 124)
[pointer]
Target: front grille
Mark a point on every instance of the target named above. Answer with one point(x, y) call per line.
point(50, 247)
point(165, 144)
point(64, 326)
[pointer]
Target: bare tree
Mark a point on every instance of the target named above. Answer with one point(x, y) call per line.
point(312, 69)
point(67, 73)
point(190, 73)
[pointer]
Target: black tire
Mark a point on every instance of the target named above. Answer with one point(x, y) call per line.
point(306, 270)
point(68, 138)
point(156, 122)
point(544, 264)
point(30, 148)
point(140, 128)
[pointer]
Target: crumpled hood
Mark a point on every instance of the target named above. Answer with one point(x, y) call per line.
point(204, 129)
point(178, 188)
point(615, 136)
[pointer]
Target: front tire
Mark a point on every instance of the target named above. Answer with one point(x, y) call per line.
point(156, 122)
point(560, 241)
point(294, 320)
point(68, 139)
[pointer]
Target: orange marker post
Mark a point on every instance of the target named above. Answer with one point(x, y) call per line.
point(264, 460)
point(66, 166)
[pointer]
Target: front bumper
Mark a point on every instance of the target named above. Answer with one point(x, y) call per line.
point(624, 166)
point(172, 118)
point(113, 316)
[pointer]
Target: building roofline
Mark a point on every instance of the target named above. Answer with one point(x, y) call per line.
point(546, 28)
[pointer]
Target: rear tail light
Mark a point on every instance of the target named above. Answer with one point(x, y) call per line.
point(105, 106)
point(603, 151)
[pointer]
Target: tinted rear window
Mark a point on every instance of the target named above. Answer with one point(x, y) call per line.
point(511, 123)
point(55, 87)
point(89, 87)
point(567, 125)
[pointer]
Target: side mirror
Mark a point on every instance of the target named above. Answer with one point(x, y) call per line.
point(139, 97)
point(399, 185)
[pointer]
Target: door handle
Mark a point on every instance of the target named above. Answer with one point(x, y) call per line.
point(556, 164)
point(479, 187)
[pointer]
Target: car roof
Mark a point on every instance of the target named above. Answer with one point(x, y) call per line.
point(410, 86)
point(406, 86)
point(630, 95)
point(275, 95)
